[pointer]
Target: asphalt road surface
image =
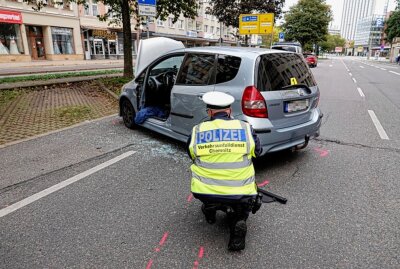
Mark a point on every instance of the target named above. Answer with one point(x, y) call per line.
point(103, 196)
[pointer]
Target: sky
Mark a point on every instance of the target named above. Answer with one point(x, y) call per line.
point(337, 8)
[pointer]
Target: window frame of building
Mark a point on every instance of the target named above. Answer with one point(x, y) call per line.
point(160, 22)
point(5, 49)
point(205, 28)
point(171, 23)
point(180, 24)
point(94, 7)
point(63, 40)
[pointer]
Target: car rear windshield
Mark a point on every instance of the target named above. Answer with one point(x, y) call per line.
point(277, 70)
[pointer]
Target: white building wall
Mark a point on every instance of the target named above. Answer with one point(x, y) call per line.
point(353, 11)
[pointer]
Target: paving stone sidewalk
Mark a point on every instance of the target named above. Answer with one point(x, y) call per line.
point(36, 110)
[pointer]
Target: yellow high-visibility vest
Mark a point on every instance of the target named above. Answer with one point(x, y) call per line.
point(221, 151)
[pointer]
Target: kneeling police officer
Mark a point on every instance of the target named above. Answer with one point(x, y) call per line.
point(223, 176)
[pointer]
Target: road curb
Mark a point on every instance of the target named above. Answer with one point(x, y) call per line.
point(25, 84)
point(55, 131)
point(104, 88)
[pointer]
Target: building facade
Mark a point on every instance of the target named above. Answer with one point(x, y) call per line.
point(53, 33)
point(368, 37)
point(71, 32)
point(204, 30)
point(353, 11)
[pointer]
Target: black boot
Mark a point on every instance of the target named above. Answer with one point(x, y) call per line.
point(209, 213)
point(237, 240)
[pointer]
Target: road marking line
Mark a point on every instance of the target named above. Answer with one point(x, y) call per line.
point(350, 74)
point(378, 125)
point(361, 66)
point(383, 69)
point(355, 81)
point(360, 92)
point(63, 184)
point(395, 73)
point(330, 65)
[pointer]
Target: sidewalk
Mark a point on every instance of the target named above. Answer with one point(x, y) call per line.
point(59, 63)
point(36, 67)
point(29, 112)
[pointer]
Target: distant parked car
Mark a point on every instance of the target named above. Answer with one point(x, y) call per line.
point(288, 46)
point(311, 59)
point(274, 91)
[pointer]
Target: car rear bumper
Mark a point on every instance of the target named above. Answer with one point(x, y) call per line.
point(279, 139)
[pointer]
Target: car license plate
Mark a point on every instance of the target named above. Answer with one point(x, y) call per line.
point(296, 105)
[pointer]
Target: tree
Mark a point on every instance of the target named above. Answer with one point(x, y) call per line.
point(392, 29)
point(266, 39)
point(228, 11)
point(307, 21)
point(332, 41)
point(123, 11)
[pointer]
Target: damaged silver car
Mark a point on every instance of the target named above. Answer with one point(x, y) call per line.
point(274, 91)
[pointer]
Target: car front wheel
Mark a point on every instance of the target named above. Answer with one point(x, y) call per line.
point(128, 114)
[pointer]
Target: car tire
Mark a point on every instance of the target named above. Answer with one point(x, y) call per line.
point(128, 113)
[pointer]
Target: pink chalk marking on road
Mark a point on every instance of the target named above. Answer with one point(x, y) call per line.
point(190, 198)
point(322, 152)
point(199, 256)
point(163, 239)
point(262, 184)
point(161, 243)
point(149, 264)
point(201, 253)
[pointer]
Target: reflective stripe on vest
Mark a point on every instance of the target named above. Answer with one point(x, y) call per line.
point(225, 183)
point(231, 165)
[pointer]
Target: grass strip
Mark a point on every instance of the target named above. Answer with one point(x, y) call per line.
point(58, 75)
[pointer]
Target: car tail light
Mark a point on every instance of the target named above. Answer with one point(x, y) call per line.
point(253, 103)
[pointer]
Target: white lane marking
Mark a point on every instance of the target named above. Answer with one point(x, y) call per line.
point(348, 70)
point(330, 65)
point(355, 81)
point(350, 74)
point(378, 125)
point(360, 92)
point(395, 73)
point(59, 186)
point(361, 66)
point(383, 69)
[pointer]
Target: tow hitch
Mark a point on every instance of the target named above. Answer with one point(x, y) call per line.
point(306, 139)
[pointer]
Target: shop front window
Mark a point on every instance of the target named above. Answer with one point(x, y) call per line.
point(62, 40)
point(112, 47)
point(97, 47)
point(10, 39)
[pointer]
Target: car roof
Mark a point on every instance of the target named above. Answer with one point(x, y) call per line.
point(235, 51)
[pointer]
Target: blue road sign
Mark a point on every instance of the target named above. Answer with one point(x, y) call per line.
point(147, 2)
point(281, 35)
point(379, 22)
point(249, 18)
